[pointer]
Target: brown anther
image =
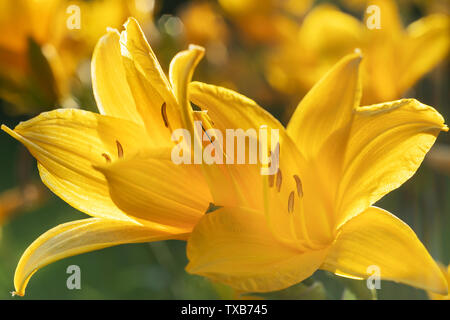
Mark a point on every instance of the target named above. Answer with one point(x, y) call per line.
point(291, 202)
point(107, 157)
point(164, 115)
point(271, 180)
point(299, 186)
point(279, 178)
point(119, 149)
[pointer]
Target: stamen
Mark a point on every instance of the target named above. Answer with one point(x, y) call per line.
point(291, 202)
point(299, 186)
point(164, 115)
point(107, 157)
point(203, 128)
point(279, 178)
point(119, 149)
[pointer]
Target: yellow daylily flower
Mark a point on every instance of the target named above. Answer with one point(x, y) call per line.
point(116, 166)
point(435, 296)
point(336, 160)
point(394, 58)
point(264, 21)
point(203, 23)
point(41, 45)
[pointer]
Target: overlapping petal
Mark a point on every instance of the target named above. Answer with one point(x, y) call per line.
point(386, 145)
point(67, 143)
point(78, 237)
point(151, 187)
point(181, 70)
point(360, 154)
point(378, 238)
point(230, 110)
point(320, 127)
point(327, 108)
point(149, 86)
point(111, 90)
point(235, 246)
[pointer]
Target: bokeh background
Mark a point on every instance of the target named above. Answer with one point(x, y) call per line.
point(238, 42)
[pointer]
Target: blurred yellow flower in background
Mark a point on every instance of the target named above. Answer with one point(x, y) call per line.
point(336, 160)
point(203, 23)
point(394, 58)
point(430, 6)
point(41, 45)
point(266, 21)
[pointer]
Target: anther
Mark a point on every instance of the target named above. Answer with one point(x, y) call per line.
point(279, 178)
point(291, 202)
point(119, 149)
point(164, 115)
point(107, 157)
point(299, 186)
point(271, 180)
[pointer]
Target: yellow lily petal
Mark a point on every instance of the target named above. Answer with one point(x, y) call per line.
point(359, 153)
point(378, 238)
point(151, 187)
point(327, 107)
point(109, 81)
point(320, 127)
point(235, 246)
point(446, 272)
point(228, 109)
point(222, 179)
point(181, 70)
point(149, 86)
point(66, 143)
point(427, 45)
point(386, 145)
point(77, 237)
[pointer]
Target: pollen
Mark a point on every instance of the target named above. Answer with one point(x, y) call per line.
point(119, 149)
point(299, 186)
point(291, 202)
point(164, 114)
point(279, 178)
